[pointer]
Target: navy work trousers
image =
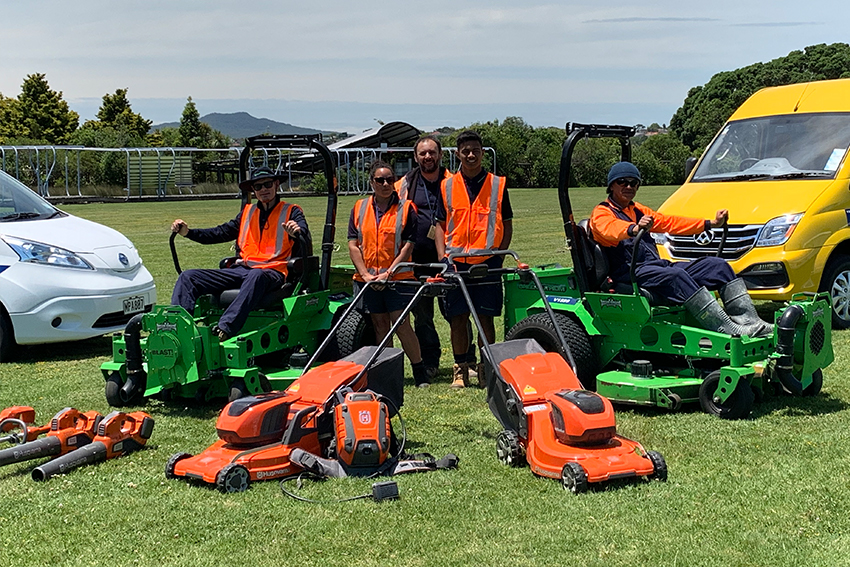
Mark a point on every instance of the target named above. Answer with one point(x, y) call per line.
point(677, 281)
point(253, 284)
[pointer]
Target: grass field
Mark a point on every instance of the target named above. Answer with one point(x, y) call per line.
point(766, 491)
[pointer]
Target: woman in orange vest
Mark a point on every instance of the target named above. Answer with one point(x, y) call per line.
point(381, 232)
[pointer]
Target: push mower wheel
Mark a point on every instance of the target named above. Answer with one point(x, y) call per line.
point(737, 406)
point(237, 390)
point(659, 466)
point(233, 478)
point(813, 389)
point(509, 449)
point(172, 462)
point(539, 327)
point(574, 478)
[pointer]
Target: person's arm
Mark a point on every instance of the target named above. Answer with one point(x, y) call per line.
point(354, 250)
point(403, 256)
point(607, 229)
point(507, 234)
point(226, 232)
point(440, 216)
point(674, 224)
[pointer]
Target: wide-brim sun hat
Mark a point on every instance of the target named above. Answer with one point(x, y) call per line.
point(258, 174)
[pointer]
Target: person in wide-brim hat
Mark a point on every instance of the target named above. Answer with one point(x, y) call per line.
point(259, 174)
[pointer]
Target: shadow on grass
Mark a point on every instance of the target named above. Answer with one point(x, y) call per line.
point(822, 404)
point(75, 350)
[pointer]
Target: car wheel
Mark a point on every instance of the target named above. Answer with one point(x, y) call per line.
point(7, 337)
point(836, 281)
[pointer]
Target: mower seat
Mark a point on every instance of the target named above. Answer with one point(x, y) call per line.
point(598, 268)
point(298, 269)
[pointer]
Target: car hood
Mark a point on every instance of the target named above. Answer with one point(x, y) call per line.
point(100, 245)
point(749, 202)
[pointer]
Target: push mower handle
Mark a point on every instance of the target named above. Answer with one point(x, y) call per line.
point(486, 254)
point(401, 266)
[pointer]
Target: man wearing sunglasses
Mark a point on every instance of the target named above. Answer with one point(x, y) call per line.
point(615, 223)
point(267, 235)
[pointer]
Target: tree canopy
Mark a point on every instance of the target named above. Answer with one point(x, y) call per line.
point(38, 115)
point(707, 107)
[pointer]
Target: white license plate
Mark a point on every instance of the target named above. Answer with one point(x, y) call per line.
point(134, 304)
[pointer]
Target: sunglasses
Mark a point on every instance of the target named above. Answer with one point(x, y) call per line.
point(628, 182)
point(263, 184)
point(383, 180)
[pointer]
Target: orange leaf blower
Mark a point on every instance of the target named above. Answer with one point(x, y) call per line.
point(70, 429)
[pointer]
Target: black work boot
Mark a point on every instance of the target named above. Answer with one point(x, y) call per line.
point(739, 306)
point(710, 315)
point(420, 375)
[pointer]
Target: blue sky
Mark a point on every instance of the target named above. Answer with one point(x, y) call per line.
point(341, 65)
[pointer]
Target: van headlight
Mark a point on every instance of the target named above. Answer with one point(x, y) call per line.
point(777, 231)
point(38, 253)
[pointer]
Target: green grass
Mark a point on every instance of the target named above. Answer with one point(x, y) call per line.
point(768, 491)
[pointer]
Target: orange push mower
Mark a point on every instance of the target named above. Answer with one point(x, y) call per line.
point(560, 429)
point(258, 434)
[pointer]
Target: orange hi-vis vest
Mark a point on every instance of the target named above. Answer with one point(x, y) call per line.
point(273, 247)
point(477, 226)
point(380, 245)
point(401, 186)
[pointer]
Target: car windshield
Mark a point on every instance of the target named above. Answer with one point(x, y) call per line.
point(797, 146)
point(19, 202)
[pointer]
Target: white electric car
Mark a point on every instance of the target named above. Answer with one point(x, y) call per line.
point(63, 278)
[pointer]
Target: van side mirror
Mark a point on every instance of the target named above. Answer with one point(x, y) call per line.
point(690, 164)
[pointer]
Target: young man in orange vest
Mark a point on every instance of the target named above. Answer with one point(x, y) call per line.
point(475, 215)
point(380, 236)
point(265, 234)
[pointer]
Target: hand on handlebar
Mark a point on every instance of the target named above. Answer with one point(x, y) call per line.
point(645, 222)
point(180, 227)
point(291, 227)
point(721, 218)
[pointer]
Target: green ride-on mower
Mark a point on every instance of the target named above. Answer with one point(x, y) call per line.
point(636, 349)
point(171, 353)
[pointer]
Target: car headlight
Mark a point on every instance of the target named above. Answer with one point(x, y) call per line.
point(39, 253)
point(777, 231)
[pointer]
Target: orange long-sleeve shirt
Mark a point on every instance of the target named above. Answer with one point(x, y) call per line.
point(609, 230)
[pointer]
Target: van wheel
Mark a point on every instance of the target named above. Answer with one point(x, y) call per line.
point(7, 337)
point(836, 281)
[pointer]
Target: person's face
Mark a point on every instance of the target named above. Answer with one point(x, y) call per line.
point(470, 154)
point(383, 182)
point(623, 191)
point(428, 156)
point(265, 190)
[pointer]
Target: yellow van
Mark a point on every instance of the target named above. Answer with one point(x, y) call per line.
point(779, 165)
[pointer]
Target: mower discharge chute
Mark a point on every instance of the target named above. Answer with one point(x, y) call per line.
point(654, 354)
point(562, 430)
point(171, 353)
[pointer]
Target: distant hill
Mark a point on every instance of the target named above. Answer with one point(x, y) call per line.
point(243, 125)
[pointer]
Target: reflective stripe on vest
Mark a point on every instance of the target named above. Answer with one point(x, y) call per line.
point(365, 218)
point(457, 236)
point(254, 244)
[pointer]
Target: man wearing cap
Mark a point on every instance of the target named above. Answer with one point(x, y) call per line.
point(266, 237)
point(614, 224)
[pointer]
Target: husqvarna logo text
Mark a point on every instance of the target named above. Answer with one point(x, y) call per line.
point(365, 417)
point(704, 238)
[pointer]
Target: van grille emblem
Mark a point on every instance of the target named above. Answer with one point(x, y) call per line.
point(704, 238)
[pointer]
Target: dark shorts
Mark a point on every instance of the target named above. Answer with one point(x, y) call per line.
point(385, 300)
point(486, 293)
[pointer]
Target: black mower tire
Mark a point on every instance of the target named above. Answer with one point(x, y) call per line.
point(574, 478)
point(237, 390)
point(659, 466)
point(814, 388)
point(509, 449)
point(737, 406)
point(836, 282)
point(172, 462)
point(114, 383)
point(355, 332)
point(539, 327)
point(233, 478)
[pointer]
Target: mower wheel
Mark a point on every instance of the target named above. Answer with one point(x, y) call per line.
point(737, 406)
point(355, 332)
point(539, 327)
point(237, 390)
point(509, 449)
point(813, 389)
point(172, 462)
point(233, 478)
point(659, 466)
point(574, 478)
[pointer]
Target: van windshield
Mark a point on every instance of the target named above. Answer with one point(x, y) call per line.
point(19, 202)
point(797, 146)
